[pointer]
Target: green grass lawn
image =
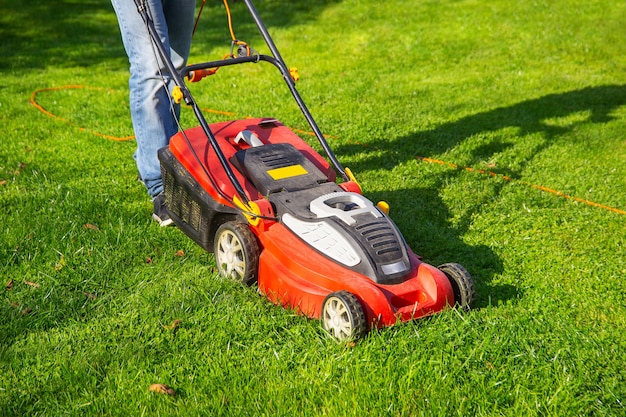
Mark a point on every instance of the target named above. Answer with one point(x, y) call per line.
point(97, 302)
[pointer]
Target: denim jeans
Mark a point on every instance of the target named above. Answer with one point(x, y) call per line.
point(153, 114)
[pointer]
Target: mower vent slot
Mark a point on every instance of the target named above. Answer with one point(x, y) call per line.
point(274, 161)
point(383, 243)
point(380, 236)
point(371, 226)
point(388, 250)
point(377, 229)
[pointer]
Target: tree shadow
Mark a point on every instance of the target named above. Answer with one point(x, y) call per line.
point(427, 225)
point(70, 33)
point(60, 33)
point(213, 24)
point(551, 116)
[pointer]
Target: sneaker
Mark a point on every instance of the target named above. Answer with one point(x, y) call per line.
point(160, 213)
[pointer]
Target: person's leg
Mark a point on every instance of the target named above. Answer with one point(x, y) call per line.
point(151, 109)
point(179, 15)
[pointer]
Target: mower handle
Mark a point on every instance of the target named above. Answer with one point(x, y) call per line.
point(188, 98)
point(279, 62)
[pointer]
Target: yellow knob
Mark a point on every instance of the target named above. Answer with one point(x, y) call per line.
point(177, 95)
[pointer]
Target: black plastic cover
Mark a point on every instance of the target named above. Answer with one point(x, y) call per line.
point(277, 167)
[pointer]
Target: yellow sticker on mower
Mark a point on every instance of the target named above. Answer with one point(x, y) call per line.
point(287, 172)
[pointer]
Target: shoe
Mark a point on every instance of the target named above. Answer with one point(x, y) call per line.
point(160, 213)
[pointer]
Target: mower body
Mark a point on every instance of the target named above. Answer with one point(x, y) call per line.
point(314, 236)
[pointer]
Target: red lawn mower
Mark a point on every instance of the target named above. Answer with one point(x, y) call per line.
point(275, 212)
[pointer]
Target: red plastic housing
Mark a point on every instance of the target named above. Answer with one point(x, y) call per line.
point(291, 273)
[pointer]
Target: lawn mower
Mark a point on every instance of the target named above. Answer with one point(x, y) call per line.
point(275, 212)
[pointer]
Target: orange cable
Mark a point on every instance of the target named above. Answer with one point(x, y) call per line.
point(33, 101)
point(230, 21)
point(195, 26)
point(538, 187)
point(197, 75)
point(232, 32)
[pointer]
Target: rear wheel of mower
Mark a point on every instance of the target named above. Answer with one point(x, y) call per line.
point(462, 284)
point(343, 316)
point(236, 252)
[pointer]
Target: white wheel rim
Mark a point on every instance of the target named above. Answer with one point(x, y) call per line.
point(337, 318)
point(230, 255)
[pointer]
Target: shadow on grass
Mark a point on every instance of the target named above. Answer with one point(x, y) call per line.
point(68, 33)
point(427, 225)
point(543, 115)
point(57, 33)
point(553, 115)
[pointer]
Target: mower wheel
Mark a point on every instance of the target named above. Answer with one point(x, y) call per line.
point(462, 284)
point(343, 316)
point(236, 252)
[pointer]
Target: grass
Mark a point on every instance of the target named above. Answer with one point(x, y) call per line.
point(97, 303)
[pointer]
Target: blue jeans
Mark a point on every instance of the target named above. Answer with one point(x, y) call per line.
point(153, 114)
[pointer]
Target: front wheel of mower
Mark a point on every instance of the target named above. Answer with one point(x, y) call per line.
point(462, 284)
point(236, 252)
point(343, 316)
